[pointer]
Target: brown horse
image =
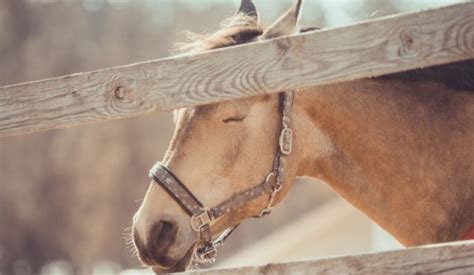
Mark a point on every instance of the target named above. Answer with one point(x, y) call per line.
point(398, 147)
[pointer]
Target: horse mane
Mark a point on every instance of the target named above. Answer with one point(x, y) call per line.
point(456, 76)
point(235, 30)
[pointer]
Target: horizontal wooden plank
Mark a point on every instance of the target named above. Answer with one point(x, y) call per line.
point(372, 48)
point(447, 258)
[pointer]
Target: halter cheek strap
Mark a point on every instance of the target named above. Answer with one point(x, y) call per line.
point(202, 217)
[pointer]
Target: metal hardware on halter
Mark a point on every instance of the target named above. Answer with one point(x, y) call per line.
point(286, 140)
point(206, 254)
point(203, 219)
point(269, 207)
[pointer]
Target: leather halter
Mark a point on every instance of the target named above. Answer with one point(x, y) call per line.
point(202, 217)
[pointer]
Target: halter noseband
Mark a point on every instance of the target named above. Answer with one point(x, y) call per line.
point(202, 217)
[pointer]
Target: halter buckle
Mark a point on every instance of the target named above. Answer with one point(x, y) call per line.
point(286, 140)
point(201, 220)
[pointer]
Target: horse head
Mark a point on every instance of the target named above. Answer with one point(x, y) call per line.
point(226, 162)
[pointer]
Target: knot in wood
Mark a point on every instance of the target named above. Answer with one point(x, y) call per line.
point(410, 45)
point(120, 92)
point(407, 39)
point(283, 44)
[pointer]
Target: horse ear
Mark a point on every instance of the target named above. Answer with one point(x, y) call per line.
point(248, 8)
point(286, 24)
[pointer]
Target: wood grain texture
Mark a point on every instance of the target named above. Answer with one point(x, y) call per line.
point(448, 258)
point(372, 48)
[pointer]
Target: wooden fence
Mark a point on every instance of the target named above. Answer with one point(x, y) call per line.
point(372, 48)
point(447, 258)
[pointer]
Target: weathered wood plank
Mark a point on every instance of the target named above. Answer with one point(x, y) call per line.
point(448, 258)
point(371, 48)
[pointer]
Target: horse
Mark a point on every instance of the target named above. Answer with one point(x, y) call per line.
point(397, 147)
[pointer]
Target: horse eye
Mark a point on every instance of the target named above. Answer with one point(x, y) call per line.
point(234, 119)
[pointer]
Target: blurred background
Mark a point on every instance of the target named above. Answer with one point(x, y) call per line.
point(67, 196)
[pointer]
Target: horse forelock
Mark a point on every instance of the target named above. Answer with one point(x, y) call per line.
point(238, 29)
point(235, 30)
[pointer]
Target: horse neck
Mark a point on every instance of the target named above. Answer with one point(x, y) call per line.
point(395, 153)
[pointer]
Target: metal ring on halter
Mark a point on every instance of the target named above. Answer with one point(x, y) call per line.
point(269, 176)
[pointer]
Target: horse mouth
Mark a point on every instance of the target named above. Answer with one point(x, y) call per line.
point(180, 266)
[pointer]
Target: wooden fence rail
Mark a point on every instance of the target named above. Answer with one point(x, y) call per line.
point(372, 48)
point(447, 258)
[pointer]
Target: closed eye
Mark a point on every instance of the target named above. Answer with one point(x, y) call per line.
point(234, 119)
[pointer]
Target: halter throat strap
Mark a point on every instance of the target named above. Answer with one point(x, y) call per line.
point(201, 217)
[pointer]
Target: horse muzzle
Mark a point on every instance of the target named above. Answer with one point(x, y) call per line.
point(155, 249)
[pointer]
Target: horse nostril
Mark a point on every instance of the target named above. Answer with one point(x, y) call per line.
point(155, 250)
point(162, 236)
